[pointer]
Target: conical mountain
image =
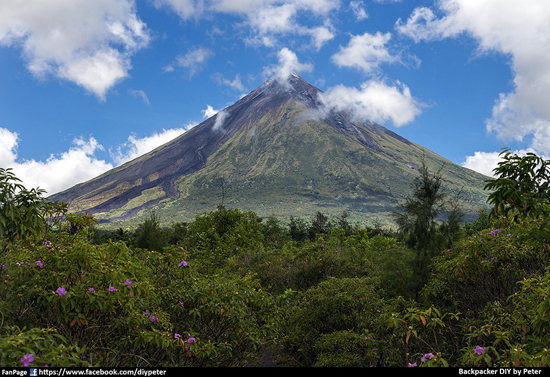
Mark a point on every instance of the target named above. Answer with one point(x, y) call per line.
point(277, 151)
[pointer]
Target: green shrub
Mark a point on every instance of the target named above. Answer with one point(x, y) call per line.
point(345, 349)
point(350, 304)
point(516, 333)
point(215, 237)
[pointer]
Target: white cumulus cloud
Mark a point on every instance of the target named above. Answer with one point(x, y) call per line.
point(58, 172)
point(209, 112)
point(366, 52)
point(90, 43)
point(516, 29)
point(136, 147)
point(80, 163)
point(485, 162)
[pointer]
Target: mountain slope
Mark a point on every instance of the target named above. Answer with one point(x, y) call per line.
point(275, 151)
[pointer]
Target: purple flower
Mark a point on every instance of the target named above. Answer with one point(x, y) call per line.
point(427, 356)
point(61, 291)
point(191, 340)
point(128, 282)
point(411, 365)
point(47, 243)
point(4, 266)
point(181, 304)
point(177, 336)
point(27, 359)
point(479, 350)
point(183, 263)
point(112, 289)
point(154, 319)
point(91, 290)
point(39, 264)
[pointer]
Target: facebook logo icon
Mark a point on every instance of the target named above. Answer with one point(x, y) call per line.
point(34, 372)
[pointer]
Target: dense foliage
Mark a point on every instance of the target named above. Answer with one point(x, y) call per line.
point(221, 289)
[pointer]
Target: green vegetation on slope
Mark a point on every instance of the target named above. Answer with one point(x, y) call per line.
point(287, 165)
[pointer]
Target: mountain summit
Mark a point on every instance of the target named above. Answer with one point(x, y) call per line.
point(278, 150)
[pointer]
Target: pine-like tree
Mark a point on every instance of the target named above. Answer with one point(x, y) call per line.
point(418, 224)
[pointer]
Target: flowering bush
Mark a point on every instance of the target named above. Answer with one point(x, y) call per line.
point(96, 296)
point(486, 267)
point(38, 347)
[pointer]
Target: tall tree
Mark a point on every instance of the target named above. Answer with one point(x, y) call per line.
point(417, 222)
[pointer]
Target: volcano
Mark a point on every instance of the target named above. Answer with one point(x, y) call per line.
point(277, 151)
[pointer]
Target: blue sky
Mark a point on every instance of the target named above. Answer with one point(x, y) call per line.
point(86, 85)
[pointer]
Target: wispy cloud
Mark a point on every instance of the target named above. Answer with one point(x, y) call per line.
point(266, 20)
point(139, 94)
point(234, 84)
point(194, 60)
point(358, 8)
point(220, 119)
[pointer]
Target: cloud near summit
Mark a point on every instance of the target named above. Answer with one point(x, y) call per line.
point(288, 63)
point(375, 100)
